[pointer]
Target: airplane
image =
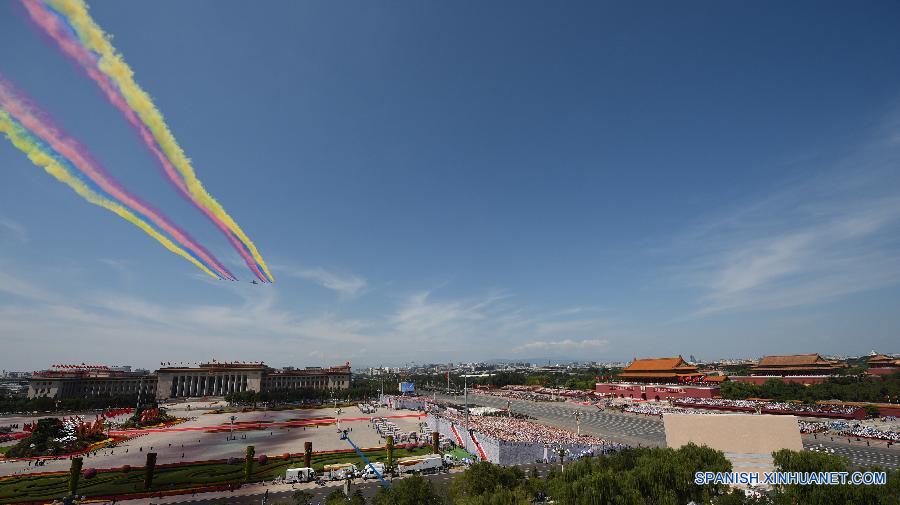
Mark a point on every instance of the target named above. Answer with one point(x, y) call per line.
point(253, 282)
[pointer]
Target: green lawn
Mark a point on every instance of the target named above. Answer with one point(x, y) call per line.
point(28, 488)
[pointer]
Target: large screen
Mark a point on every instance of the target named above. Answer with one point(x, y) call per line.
point(407, 387)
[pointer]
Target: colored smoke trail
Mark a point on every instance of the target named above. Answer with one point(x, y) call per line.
point(95, 53)
point(44, 157)
point(39, 125)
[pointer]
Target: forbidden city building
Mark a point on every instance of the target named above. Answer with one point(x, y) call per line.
point(660, 379)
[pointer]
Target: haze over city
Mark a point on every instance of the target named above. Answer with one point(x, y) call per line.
point(467, 181)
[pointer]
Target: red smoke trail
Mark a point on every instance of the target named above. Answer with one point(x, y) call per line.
point(41, 126)
point(71, 47)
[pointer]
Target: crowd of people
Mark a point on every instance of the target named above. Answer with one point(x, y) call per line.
point(758, 405)
point(818, 408)
point(812, 427)
point(656, 409)
point(719, 402)
point(858, 430)
point(512, 430)
point(863, 431)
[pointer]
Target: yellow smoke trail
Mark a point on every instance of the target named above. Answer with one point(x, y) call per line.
point(36, 153)
point(112, 64)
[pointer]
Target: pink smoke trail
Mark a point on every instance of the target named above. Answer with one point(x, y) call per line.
point(71, 47)
point(41, 126)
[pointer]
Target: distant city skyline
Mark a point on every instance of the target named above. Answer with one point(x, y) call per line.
point(443, 182)
point(499, 362)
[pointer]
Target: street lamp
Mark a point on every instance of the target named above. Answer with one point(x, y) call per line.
point(466, 396)
point(231, 436)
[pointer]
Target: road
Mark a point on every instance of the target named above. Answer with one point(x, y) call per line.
point(858, 452)
point(635, 429)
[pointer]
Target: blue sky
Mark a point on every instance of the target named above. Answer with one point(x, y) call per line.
point(472, 180)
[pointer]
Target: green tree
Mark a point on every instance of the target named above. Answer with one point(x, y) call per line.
point(806, 461)
point(389, 448)
point(357, 498)
point(484, 478)
point(639, 476)
point(248, 462)
point(336, 497)
point(302, 497)
point(75, 474)
point(410, 491)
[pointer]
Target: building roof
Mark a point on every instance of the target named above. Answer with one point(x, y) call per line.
point(658, 364)
point(648, 374)
point(793, 360)
point(792, 368)
point(881, 359)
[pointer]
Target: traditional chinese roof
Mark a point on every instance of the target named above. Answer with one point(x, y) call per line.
point(882, 360)
point(659, 364)
point(793, 360)
point(797, 364)
point(659, 368)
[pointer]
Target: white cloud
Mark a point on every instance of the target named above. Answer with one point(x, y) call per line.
point(13, 228)
point(810, 241)
point(21, 288)
point(421, 316)
point(123, 326)
point(572, 326)
point(563, 345)
point(344, 284)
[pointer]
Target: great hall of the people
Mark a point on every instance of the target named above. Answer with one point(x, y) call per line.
point(170, 382)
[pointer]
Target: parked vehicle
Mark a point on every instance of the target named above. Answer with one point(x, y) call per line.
point(304, 474)
point(420, 464)
point(369, 474)
point(339, 471)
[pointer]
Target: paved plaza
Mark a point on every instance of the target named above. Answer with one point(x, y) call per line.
point(194, 440)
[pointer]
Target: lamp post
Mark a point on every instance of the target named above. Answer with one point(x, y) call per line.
point(231, 435)
point(140, 392)
point(466, 397)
